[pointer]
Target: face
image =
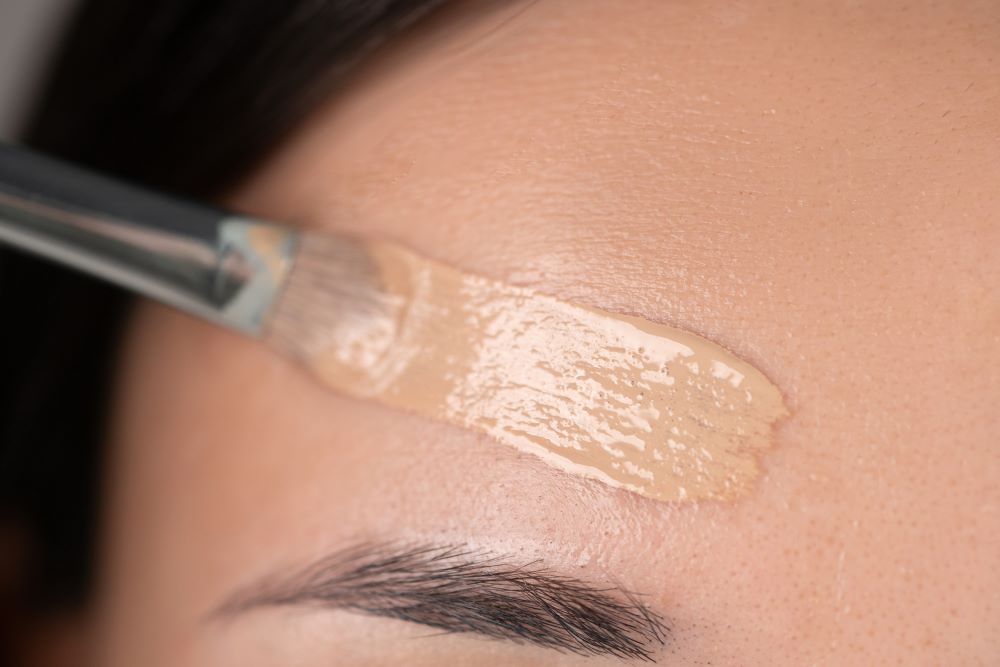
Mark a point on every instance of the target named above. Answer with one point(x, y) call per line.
point(812, 187)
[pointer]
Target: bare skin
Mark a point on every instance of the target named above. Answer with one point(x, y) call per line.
point(814, 186)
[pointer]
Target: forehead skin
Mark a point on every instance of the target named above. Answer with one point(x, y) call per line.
point(812, 185)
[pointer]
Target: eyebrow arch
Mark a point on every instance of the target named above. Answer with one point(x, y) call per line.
point(460, 590)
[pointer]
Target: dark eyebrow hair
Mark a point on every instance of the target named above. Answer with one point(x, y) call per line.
point(459, 590)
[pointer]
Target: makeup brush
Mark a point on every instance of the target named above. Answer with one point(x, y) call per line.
point(226, 268)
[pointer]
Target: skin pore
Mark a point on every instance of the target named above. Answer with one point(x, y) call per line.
point(812, 186)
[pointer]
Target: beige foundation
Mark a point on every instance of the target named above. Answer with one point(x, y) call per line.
point(637, 405)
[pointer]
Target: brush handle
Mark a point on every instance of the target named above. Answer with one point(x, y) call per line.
point(213, 264)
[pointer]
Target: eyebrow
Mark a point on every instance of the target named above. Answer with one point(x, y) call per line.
point(460, 590)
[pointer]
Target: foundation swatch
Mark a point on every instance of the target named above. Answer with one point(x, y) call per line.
point(635, 404)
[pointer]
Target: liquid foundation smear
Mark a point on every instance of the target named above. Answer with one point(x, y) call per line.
point(637, 405)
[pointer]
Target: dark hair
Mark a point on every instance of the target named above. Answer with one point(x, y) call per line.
point(182, 95)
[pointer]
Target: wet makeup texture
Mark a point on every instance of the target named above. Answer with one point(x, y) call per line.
point(635, 404)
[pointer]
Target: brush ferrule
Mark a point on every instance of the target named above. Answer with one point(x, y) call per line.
point(254, 259)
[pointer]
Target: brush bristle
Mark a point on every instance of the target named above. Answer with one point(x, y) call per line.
point(335, 302)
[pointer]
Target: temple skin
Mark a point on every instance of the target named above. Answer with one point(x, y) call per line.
point(811, 185)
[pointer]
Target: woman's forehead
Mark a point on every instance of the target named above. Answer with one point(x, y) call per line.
point(741, 172)
point(811, 186)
